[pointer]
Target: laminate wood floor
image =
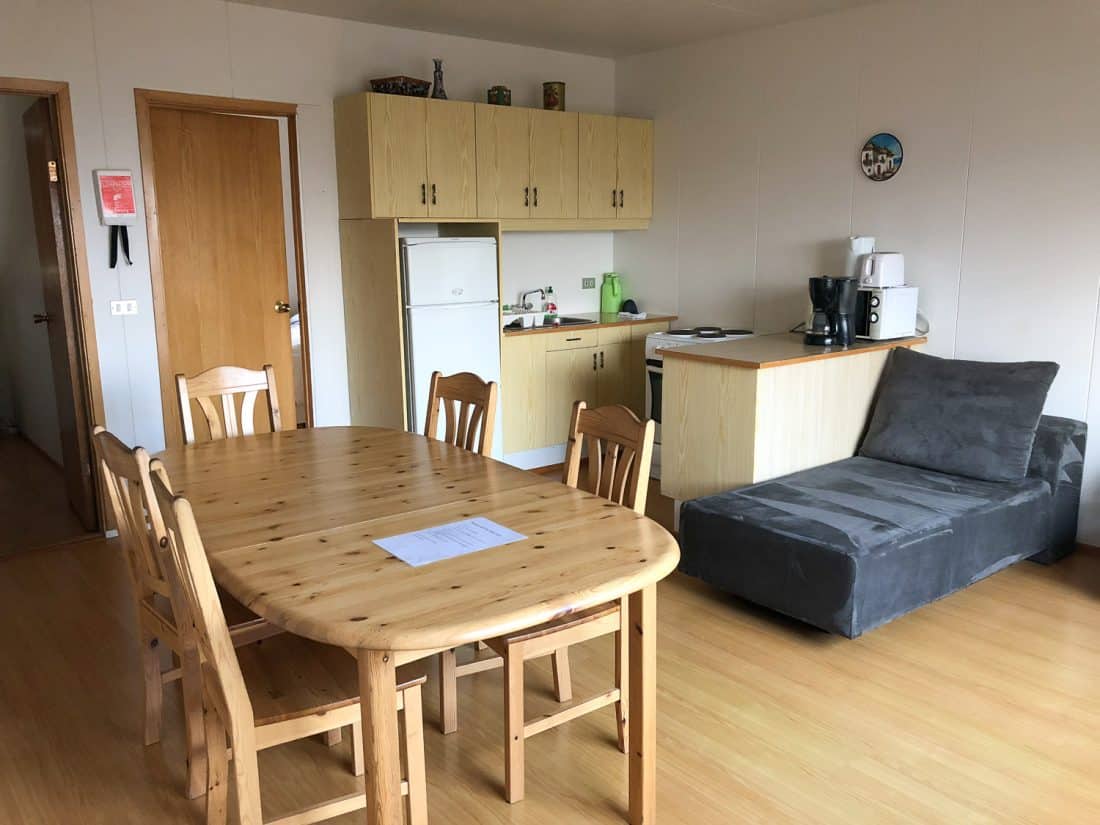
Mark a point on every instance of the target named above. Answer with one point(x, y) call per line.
point(982, 708)
point(34, 511)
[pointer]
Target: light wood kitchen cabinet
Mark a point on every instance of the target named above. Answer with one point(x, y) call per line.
point(615, 374)
point(452, 159)
point(616, 167)
point(523, 392)
point(526, 163)
point(571, 375)
point(405, 157)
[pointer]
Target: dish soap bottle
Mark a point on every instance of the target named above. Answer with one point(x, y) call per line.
point(552, 316)
point(611, 294)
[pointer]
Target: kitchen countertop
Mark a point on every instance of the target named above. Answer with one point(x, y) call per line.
point(780, 349)
point(597, 320)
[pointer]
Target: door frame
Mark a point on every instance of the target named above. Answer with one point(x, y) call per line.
point(148, 99)
point(87, 384)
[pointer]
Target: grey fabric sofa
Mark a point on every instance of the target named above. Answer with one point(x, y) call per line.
point(851, 545)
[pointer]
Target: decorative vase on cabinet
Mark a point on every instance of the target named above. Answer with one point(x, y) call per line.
point(438, 91)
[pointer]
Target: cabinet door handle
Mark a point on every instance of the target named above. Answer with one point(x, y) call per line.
point(527, 196)
point(593, 361)
point(433, 194)
point(572, 339)
point(613, 202)
point(622, 203)
point(424, 193)
point(536, 197)
point(601, 359)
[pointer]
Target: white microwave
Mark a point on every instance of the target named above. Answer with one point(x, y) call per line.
point(886, 312)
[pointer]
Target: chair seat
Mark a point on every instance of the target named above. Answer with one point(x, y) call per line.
point(558, 625)
point(289, 677)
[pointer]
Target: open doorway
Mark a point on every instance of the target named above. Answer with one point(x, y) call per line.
point(222, 208)
point(47, 483)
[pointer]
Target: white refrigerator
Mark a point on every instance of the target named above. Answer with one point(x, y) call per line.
point(452, 321)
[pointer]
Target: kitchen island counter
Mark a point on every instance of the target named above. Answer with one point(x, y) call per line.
point(739, 412)
point(780, 349)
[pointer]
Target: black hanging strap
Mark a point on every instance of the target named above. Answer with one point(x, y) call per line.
point(119, 235)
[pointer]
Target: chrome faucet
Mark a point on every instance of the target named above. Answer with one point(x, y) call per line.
point(523, 298)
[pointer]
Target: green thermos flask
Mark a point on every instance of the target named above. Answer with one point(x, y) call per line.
point(611, 294)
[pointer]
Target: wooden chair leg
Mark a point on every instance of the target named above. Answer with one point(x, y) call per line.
point(357, 748)
point(622, 679)
point(246, 773)
point(217, 770)
point(154, 687)
point(514, 741)
point(415, 771)
point(448, 692)
point(563, 683)
point(194, 723)
point(333, 737)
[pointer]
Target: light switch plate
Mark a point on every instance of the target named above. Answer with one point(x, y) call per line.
point(124, 307)
point(588, 283)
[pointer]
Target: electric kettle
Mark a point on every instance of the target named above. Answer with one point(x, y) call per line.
point(611, 294)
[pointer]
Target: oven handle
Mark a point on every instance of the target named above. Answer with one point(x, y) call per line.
point(654, 362)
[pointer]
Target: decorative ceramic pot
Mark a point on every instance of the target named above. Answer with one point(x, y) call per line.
point(553, 95)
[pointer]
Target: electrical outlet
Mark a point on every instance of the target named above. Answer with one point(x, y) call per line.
point(588, 283)
point(126, 307)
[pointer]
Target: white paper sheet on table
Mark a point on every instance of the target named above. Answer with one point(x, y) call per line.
point(447, 541)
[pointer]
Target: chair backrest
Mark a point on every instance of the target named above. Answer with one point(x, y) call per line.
point(224, 384)
point(467, 402)
point(129, 490)
point(196, 598)
point(620, 450)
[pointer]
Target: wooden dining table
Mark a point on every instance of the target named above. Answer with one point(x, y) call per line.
point(289, 522)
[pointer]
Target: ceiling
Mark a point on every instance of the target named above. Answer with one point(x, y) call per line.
point(608, 28)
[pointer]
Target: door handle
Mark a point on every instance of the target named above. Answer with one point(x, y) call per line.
point(282, 307)
point(42, 317)
point(424, 193)
point(613, 202)
point(433, 194)
point(622, 203)
point(536, 197)
point(593, 361)
point(527, 196)
point(601, 359)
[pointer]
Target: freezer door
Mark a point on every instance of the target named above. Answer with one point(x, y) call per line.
point(449, 270)
point(451, 338)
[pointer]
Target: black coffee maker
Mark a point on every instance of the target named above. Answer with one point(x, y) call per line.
point(834, 302)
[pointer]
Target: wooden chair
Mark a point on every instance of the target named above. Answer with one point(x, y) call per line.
point(267, 695)
point(620, 450)
point(467, 402)
point(224, 384)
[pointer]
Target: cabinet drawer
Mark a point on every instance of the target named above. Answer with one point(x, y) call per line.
point(613, 335)
point(574, 339)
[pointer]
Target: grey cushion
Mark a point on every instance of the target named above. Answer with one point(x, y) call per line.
point(970, 418)
point(853, 544)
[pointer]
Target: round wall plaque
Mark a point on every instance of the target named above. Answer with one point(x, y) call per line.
point(881, 156)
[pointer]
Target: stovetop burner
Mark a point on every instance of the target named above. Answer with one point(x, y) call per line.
point(682, 333)
point(737, 332)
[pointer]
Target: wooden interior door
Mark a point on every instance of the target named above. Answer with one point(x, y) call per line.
point(55, 261)
point(571, 375)
point(599, 166)
point(452, 160)
point(503, 161)
point(399, 156)
point(554, 147)
point(222, 241)
point(635, 168)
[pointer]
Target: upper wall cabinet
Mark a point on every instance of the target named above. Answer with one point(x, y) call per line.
point(526, 163)
point(415, 158)
point(616, 167)
point(405, 157)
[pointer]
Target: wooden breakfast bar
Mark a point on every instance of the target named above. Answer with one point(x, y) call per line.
point(288, 521)
point(738, 412)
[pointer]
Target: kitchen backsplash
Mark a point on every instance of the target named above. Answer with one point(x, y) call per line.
point(560, 260)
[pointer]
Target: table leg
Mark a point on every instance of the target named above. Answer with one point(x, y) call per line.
point(643, 706)
point(381, 749)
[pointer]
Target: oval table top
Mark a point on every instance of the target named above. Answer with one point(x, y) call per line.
point(288, 520)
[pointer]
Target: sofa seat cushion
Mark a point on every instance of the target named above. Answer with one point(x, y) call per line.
point(851, 545)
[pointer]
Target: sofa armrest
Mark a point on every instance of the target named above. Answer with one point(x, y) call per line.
point(1058, 457)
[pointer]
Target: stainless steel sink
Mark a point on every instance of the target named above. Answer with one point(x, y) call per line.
point(567, 321)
